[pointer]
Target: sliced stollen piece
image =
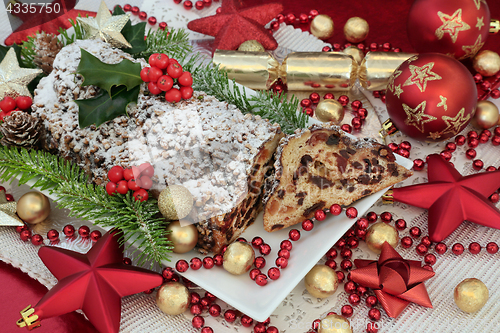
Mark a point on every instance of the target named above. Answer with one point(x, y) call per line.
point(321, 166)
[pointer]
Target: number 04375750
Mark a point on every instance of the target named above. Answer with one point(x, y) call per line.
point(24, 8)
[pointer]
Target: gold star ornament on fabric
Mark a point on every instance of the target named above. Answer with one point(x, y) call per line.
point(106, 27)
point(8, 215)
point(14, 79)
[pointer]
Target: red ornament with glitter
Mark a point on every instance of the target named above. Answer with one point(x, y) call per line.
point(431, 97)
point(458, 28)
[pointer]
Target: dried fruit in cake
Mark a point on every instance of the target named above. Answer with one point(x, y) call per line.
point(321, 166)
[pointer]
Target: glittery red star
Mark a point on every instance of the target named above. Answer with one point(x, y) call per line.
point(234, 26)
point(42, 20)
point(452, 198)
point(94, 282)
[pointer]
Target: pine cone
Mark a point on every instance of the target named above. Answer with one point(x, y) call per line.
point(47, 46)
point(20, 129)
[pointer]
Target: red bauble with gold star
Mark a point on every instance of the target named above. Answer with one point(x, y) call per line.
point(454, 27)
point(431, 97)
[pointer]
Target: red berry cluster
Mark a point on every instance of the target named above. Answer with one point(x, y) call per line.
point(9, 104)
point(163, 74)
point(137, 179)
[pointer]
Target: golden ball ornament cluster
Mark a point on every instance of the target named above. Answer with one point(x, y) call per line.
point(173, 298)
point(334, 324)
point(321, 281)
point(356, 29)
point(486, 63)
point(322, 27)
point(33, 207)
point(251, 46)
point(486, 115)
point(379, 233)
point(330, 110)
point(183, 235)
point(175, 202)
point(238, 258)
point(471, 295)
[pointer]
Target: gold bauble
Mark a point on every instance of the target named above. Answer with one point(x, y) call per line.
point(183, 239)
point(173, 298)
point(334, 324)
point(33, 207)
point(486, 63)
point(355, 52)
point(471, 295)
point(321, 281)
point(175, 202)
point(486, 115)
point(238, 258)
point(378, 234)
point(251, 46)
point(356, 29)
point(322, 26)
point(329, 110)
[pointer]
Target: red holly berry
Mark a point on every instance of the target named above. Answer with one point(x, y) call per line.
point(145, 74)
point(186, 92)
point(185, 79)
point(7, 104)
point(152, 59)
point(161, 61)
point(131, 173)
point(174, 70)
point(146, 182)
point(122, 187)
point(134, 184)
point(173, 95)
point(115, 174)
point(111, 188)
point(24, 102)
point(141, 195)
point(153, 88)
point(154, 74)
point(146, 169)
point(165, 83)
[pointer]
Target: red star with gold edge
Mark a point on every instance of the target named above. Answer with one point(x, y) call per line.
point(396, 282)
point(234, 26)
point(41, 20)
point(452, 198)
point(94, 282)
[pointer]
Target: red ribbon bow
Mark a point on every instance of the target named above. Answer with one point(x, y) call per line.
point(396, 282)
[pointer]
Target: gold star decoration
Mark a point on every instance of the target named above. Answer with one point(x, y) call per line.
point(451, 24)
point(8, 215)
point(471, 50)
point(416, 117)
point(393, 77)
point(421, 75)
point(443, 102)
point(434, 135)
point(455, 124)
point(480, 22)
point(478, 3)
point(398, 91)
point(106, 27)
point(14, 79)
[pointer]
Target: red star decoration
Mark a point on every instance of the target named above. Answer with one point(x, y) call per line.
point(48, 22)
point(234, 26)
point(396, 282)
point(94, 282)
point(452, 198)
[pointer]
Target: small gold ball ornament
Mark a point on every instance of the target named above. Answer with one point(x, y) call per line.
point(471, 295)
point(486, 115)
point(322, 26)
point(486, 63)
point(175, 202)
point(173, 298)
point(33, 207)
point(184, 239)
point(356, 29)
point(251, 46)
point(321, 281)
point(238, 258)
point(329, 110)
point(355, 52)
point(334, 324)
point(379, 233)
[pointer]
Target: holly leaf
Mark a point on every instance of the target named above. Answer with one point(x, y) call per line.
point(134, 34)
point(105, 76)
point(104, 106)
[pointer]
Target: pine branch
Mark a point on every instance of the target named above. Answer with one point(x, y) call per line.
point(138, 220)
point(174, 43)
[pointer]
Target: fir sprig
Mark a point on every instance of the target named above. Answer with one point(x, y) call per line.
point(138, 220)
point(174, 42)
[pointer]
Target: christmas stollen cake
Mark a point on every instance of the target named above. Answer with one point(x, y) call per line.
point(321, 166)
point(208, 146)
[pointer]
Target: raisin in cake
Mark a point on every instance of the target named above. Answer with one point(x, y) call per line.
point(208, 146)
point(321, 166)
